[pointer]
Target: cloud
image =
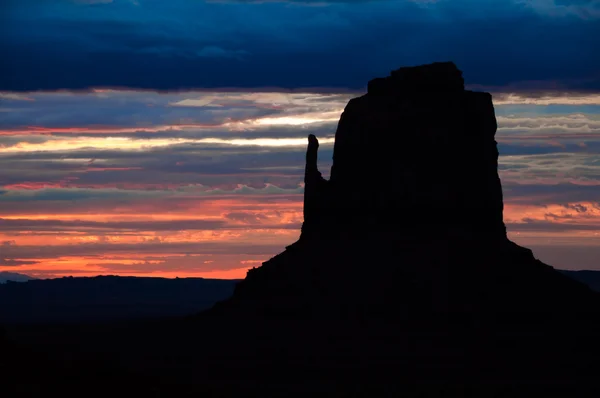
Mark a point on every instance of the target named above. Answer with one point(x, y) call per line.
point(6, 262)
point(574, 256)
point(585, 9)
point(15, 225)
point(162, 157)
point(321, 2)
point(579, 208)
point(153, 112)
point(205, 174)
point(48, 225)
point(246, 218)
point(546, 97)
point(167, 46)
point(194, 190)
point(555, 8)
point(555, 126)
point(92, 1)
point(538, 193)
point(107, 249)
point(214, 51)
point(552, 168)
point(7, 96)
point(549, 226)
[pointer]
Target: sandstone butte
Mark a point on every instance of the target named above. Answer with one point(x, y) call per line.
point(411, 219)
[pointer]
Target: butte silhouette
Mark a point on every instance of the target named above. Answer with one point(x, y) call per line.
point(411, 220)
point(403, 280)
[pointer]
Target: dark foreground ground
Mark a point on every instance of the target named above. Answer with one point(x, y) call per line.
point(114, 298)
point(107, 298)
point(421, 354)
point(196, 357)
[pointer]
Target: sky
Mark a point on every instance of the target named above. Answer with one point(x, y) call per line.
point(167, 138)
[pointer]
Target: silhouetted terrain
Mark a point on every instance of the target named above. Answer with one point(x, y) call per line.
point(403, 282)
point(13, 276)
point(590, 278)
point(112, 298)
point(412, 213)
point(108, 298)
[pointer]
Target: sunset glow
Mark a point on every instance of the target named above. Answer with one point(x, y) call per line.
point(216, 188)
point(172, 223)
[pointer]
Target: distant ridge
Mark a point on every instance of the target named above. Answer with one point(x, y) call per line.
point(6, 276)
point(114, 298)
point(589, 277)
point(108, 298)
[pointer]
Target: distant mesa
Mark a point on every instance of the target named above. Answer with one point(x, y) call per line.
point(411, 219)
point(107, 298)
point(14, 277)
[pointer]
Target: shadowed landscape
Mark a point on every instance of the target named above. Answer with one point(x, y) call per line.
point(449, 305)
point(122, 299)
point(107, 298)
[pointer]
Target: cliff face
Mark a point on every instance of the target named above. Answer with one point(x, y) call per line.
point(416, 152)
point(411, 218)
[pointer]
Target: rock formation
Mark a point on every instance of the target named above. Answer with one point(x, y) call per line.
point(404, 267)
point(417, 152)
point(411, 218)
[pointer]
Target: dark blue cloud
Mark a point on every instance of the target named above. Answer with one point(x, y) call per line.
point(184, 44)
